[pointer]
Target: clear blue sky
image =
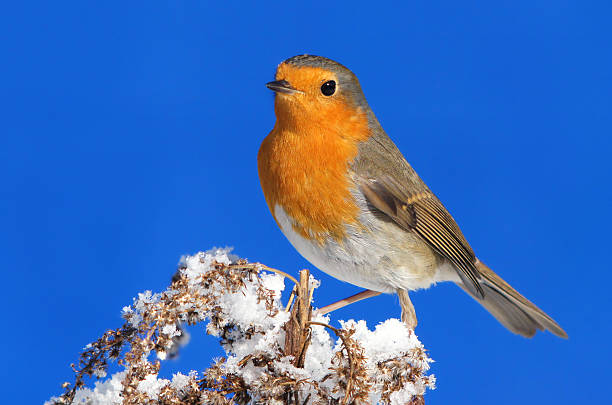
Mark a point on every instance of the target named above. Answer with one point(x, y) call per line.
point(129, 136)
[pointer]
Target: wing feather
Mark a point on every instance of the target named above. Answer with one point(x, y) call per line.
point(424, 214)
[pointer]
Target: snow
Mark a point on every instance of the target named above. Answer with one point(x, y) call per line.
point(257, 329)
point(105, 393)
point(151, 385)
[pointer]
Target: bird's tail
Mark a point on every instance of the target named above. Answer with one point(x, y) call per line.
point(510, 308)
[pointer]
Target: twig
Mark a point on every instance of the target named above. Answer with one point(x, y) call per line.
point(291, 297)
point(348, 353)
point(257, 266)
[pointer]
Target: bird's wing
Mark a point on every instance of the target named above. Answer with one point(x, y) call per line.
point(402, 196)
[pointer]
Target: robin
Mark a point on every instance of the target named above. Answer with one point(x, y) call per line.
point(350, 203)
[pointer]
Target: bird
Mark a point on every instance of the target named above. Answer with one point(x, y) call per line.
point(348, 201)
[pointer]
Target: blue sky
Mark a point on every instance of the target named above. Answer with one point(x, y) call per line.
point(130, 132)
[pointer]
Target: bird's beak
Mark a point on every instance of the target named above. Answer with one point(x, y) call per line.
point(281, 86)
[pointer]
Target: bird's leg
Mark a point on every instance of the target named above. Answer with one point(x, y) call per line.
point(408, 313)
point(347, 301)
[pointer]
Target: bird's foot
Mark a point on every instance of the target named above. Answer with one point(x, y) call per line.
point(347, 301)
point(408, 313)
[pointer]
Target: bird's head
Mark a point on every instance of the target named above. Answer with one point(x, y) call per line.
point(316, 89)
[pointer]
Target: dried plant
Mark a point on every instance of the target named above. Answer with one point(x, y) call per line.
point(275, 354)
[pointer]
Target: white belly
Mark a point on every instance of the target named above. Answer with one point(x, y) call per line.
point(381, 260)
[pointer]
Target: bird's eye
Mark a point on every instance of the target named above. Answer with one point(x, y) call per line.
point(328, 88)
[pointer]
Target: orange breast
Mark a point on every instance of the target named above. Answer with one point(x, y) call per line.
point(303, 166)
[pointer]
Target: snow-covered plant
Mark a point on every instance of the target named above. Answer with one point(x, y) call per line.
point(275, 354)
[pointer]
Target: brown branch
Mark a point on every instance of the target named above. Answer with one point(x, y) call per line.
point(150, 329)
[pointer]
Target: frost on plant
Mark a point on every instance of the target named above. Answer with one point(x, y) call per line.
point(275, 353)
